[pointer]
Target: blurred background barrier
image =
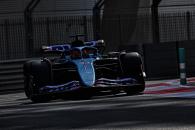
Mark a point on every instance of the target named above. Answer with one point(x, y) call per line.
point(117, 29)
point(162, 61)
point(11, 75)
point(46, 31)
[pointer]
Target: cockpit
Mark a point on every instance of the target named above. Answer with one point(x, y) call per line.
point(85, 52)
point(89, 52)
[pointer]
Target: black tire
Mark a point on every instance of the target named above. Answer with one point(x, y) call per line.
point(36, 74)
point(33, 92)
point(27, 90)
point(30, 89)
point(131, 65)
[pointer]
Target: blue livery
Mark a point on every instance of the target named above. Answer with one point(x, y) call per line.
point(82, 67)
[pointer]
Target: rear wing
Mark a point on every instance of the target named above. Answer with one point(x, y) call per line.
point(56, 48)
point(99, 44)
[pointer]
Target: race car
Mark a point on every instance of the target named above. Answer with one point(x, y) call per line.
point(81, 70)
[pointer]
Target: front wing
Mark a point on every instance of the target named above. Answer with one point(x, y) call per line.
point(100, 83)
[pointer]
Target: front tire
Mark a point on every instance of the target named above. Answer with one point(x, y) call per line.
point(36, 74)
point(131, 65)
point(27, 90)
point(32, 91)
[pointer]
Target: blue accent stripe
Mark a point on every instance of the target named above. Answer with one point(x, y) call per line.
point(74, 85)
point(116, 81)
point(125, 81)
point(70, 86)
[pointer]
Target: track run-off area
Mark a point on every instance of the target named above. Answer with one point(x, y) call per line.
point(171, 88)
point(163, 105)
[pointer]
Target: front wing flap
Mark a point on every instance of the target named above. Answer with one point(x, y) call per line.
point(100, 83)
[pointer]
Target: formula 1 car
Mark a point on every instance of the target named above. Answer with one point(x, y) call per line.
point(82, 70)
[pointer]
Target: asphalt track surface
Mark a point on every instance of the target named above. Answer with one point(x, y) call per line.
point(143, 112)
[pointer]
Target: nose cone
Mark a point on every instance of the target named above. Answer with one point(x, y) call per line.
point(86, 71)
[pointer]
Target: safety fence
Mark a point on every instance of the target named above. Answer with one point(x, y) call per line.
point(124, 29)
point(115, 30)
point(46, 31)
